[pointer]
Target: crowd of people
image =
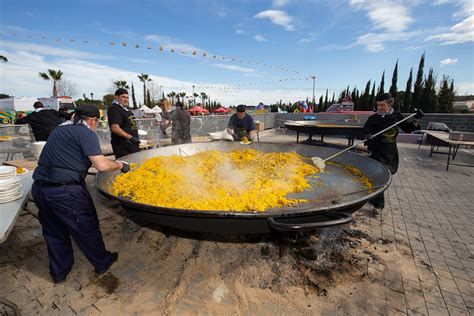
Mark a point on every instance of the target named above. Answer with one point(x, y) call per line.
point(66, 208)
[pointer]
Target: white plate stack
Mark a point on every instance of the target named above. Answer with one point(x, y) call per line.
point(10, 185)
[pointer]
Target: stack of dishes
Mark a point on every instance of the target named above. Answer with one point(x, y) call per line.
point(10, 185)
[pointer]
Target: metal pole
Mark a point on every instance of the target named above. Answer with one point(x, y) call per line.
point(314, 78)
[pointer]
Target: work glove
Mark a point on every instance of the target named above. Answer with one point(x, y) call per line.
point(419, 114)
point(134, 140)
point(125, 167)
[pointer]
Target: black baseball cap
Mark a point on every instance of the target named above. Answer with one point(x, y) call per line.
point(240, 108)
point(121, 91)
point(384, 97)
point(38, 105)
point(89, 110)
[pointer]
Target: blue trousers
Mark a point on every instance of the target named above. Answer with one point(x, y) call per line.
point(64, 212)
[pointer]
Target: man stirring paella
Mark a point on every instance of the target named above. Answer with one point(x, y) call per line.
point(241, 125)
point(383, 148)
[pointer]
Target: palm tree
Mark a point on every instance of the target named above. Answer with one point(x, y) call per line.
point(53, 75)
point(195, 95)
point(182, 95)
point(121, 84)
point(145, 79)
point(203, 97)
point(4, 59)
point(171, 96)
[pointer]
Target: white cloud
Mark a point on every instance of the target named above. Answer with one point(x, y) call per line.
point(390, 20)
point(387, 15)
point(376, 42)
point(11, 28)
point(280, 3)
point(462, 32)
point(49, 50)
point(277, 17)
point(260, 38)
point(169, 42)
point(448, 61)
point(235, 68)
point(465, 7)
point(19, 77)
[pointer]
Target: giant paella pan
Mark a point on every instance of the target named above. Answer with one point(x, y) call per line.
point(329, 199)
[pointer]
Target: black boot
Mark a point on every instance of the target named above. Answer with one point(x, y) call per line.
point(378, 202)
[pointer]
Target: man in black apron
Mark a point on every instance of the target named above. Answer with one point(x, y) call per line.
point(383, 148)
point(241, 124)
point(124, 137)
point(66, 208)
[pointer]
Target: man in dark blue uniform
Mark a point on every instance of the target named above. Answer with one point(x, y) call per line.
point(66, 208)
point(241, 124)
point(383, 148)
point(124, 138)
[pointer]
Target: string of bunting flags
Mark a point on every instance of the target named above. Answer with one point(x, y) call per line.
point(230, 89)
point(161, 48)
point(240, 86)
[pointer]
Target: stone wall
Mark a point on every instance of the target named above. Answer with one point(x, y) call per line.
point(457, 122)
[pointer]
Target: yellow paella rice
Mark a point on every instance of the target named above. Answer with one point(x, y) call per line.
point(356, 173)
point(247, 180)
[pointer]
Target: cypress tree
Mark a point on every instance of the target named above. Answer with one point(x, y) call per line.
point(393, 88)
point(333, 98)
point(320, 106)
point(444, 96)
point(407, 97)
point(354, 97)
point(326, 101)
point(372, 98)
point(418, 87)
point(382, 84)
point(428, 101)
point(341, 96)
point(451, 95)
point(134, 100)
point(365, 98)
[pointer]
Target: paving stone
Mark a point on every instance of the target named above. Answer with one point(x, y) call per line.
point(447, 285)
point(454, 311)
point(396, 300)
point(416, 303)
point(436, 310)
point(454, 300)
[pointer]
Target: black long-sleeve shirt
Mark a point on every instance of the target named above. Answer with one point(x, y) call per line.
point(43, 122)
point(384, 147)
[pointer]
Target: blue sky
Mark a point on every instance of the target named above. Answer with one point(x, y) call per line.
point(340, 42)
